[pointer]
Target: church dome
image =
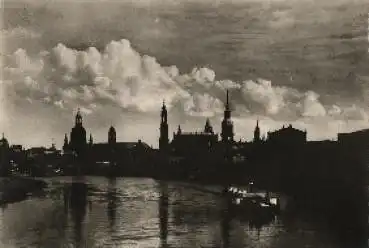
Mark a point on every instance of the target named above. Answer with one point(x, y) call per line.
point(4, 142)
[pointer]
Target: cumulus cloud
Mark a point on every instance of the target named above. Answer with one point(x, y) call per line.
point(120, 76)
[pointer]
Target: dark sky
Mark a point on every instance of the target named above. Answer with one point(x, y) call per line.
point(304, 62)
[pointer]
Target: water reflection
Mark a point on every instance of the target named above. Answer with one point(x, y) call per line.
point(112, 200)
point(75, 202)
point(226, 221)
point(163, 213)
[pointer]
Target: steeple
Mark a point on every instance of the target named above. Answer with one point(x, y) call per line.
point(227, 124)
point(227, 103)
point(164, 136)
point(91, 141)
point(257, 132)
point(112, 135)
point(164, 113)
point(78, 118)
point(179, 130)
point(65, 145)
point(208, 128)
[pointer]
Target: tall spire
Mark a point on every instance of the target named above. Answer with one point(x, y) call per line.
point(227, 104)
point(257, 137)
point(227, 125)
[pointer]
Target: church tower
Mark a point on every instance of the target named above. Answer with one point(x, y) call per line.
point(66, 144)
point(112, 136)
point(257, 138)
point(227, 124)
point(78, 140)
point(164, 140)
point(208, 128)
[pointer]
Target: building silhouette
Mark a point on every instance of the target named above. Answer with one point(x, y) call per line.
point(257, 138)
point(287, 135)
point(78, 142)
point(194, 143)
point(112, 136)
point(4, 156)
point(164, 132)
point(227, 124)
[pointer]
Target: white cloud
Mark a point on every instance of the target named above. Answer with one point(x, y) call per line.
point(312, 106)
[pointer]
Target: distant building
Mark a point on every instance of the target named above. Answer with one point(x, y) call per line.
point(355, 139)
point(4, 156)
point(36, 152)
point(287, 135)
point(117, 152)
point(4, 144)
point(192, 143)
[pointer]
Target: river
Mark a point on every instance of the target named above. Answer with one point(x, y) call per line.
point(135, 212)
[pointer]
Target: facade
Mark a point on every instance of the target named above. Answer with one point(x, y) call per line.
point(189, 143)
point(287, 135)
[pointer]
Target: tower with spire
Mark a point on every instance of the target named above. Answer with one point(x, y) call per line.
point(257, 138)
point(164, 135)
point(208, 128)
point(112, 136)
point(227, 124)
point(78, 140)
point(66, 144)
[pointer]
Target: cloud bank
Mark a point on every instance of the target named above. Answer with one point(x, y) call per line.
point(119, 76)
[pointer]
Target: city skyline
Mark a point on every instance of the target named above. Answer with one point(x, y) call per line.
point(283, 66)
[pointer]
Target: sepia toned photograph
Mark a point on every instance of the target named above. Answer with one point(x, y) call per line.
point(184, 124)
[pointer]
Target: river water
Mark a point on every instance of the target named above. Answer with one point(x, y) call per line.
point(131, 212)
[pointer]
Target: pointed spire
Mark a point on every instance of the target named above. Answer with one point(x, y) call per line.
point(227, 103)
point(207, 122)
point(227, 97)
point(257, 123)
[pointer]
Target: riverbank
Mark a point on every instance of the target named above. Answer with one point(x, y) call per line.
point(15, 188)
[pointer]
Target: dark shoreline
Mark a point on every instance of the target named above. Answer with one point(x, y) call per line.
point(15, 188)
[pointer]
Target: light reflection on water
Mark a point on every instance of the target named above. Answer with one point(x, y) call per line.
point(128, 212)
